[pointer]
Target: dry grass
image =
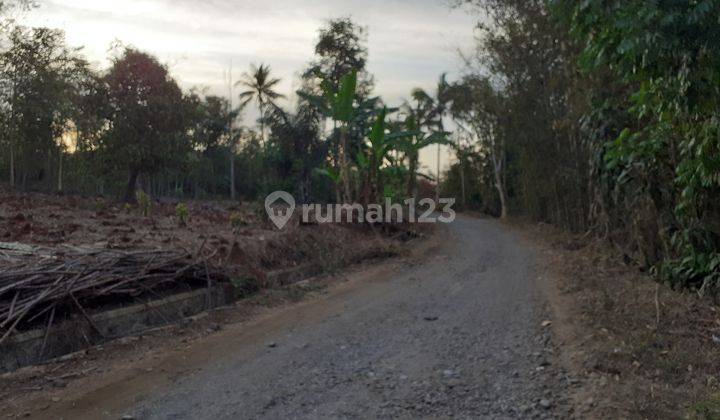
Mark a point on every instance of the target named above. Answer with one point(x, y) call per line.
point(646, 351)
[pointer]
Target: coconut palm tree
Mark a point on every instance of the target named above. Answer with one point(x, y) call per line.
point(260, 87)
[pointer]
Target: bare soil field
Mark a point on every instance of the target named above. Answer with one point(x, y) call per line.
point(69, 257)
point(240, 233)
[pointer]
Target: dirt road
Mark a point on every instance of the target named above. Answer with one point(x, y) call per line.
point(457, 332)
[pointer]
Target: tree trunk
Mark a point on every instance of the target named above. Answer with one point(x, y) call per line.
point(503, 202)
point(338, 199)
point(132, 183)
point(379, 186)
point(232, 175)
point(24, 172)
point(344, 175)
point(60, 171)
point(412, 182)
point(262, 123)
point(12, 165)
point(12, 136)
point(500, 185)
point(305, 188)
point(462, 182)
point(437, 187)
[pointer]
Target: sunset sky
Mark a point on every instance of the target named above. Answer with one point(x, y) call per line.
point(411, 42)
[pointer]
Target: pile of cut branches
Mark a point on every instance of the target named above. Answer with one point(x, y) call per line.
point(37, 284)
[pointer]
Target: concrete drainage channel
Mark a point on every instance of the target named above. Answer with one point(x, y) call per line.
point(40, 345)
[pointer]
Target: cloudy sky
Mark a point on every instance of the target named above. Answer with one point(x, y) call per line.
point(411, 42)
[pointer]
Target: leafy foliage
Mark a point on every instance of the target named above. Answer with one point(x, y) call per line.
point(605, 117)
point(667, 56)
point(340, 51)
point(260, 86)
point(146, 129)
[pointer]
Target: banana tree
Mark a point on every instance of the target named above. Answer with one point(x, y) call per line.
point(379, 150)
point(332, 174)
point(412, 145)
point(340, 107)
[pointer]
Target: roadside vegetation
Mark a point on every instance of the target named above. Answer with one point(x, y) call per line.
point(599, 116)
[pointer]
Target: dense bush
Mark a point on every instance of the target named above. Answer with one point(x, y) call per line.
point(609, 121)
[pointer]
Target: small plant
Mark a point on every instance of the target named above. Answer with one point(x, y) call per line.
point(100, 205)
point(182, 213)
point(237, 220)
point(127, 208)
point(144, 203)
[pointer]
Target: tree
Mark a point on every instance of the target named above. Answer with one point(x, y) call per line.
point(659, 166)
point(382, 141)
point(213, 138)
point(41, 82)
point(9, 6)
point(415, 141)
point(340, 106)
point(260, 87)
point(430, 112)
point(479, 108)
point(341, 50)
point(296, 148)
point(146, 117)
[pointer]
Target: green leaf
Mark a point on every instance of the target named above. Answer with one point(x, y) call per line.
point(345, 98)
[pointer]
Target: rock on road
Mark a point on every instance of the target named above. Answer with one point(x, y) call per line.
point(456, 333)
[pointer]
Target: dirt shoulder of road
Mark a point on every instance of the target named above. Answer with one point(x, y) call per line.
point(122, 371)
point(644, 350)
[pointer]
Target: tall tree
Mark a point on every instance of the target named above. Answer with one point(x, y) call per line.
point(342, 108)
point(340, 50)
point(479, 109)
point(417, 140)
point(40, 80)
point(430, 112)
point(7, 7)
point(147, 120)
point(260, 87)
point(212, 137)
point(296, 148)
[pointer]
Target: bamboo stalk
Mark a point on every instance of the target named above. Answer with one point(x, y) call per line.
point(73, 279)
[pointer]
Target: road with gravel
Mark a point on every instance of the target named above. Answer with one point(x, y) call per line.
point(460, 332)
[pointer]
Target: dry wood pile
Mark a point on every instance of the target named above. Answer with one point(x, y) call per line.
point(38, 284)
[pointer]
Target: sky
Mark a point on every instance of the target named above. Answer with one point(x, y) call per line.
point(410, 42)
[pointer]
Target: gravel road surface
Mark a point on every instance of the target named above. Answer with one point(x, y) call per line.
point(456, 329)
point(457, 334)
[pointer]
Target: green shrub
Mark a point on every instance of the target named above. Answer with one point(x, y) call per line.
point(100, 205)
point(237, 220)
point(182, 213)
point(144, 203)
